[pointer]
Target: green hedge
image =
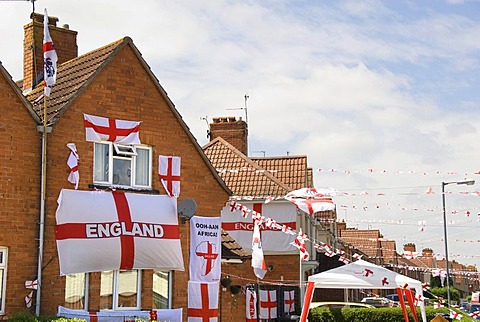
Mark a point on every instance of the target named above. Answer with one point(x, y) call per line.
point(395, 314)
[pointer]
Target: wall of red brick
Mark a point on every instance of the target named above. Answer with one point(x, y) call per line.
point(124, 90)
point(19, 194)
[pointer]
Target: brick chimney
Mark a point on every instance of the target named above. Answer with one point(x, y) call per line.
point(64, 40)
point(341, 225)
point(232, 130)
point(410, 247)
point(427, 252)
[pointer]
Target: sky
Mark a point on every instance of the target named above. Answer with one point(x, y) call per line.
point(382, 96)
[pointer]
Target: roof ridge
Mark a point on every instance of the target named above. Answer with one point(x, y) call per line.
point(243, 157)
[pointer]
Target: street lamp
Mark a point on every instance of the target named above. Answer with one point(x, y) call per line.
point(468, 183)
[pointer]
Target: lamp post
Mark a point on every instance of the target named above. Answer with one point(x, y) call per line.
point(468, 183)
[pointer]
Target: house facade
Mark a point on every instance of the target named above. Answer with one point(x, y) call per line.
point(113, 81)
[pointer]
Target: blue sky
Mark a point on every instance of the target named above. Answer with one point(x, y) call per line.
point(387, 85)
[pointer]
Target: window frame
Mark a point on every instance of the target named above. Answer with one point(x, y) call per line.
point(169, 281)
point(124, 152)
point(3, 282)
point(116, 294)
point(86, 283)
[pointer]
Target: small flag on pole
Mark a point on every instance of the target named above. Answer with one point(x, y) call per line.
point(49, 58)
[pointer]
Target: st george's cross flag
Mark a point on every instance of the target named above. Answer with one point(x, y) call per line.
point(202, 301)
point(268, 304)
point(205, 249)
point(72, 162)
point(99, 128)
point(49, 58)
point(101, 231)
point(274, 241)
point(169, 173)
point(289, 301)
point(251, 305)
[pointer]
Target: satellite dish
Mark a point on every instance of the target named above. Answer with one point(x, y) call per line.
point(186, 208)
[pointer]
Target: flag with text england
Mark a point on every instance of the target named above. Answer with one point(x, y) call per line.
point(273, 241)
point(205, 249)
point(100, 231)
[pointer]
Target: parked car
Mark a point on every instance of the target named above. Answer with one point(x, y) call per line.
point(341, 305)
point(379, 301)
point(474, 307)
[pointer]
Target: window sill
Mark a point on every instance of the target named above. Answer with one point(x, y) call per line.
point(128, 189)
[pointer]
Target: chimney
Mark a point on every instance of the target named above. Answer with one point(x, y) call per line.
point(410, 247)
point(64, 41)
point(231, 130)
point(341, 225)
point(427, 252)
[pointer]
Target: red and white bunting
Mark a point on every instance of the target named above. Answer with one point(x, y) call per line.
point(455, 315)
point(268, 304)
point(251, 305)
point(202, 302)
point(289, 301)
point(72, 162)
point(99, 128)
point(300, 244)
point(205, 249)
point(258, 261)
point(49, 59)
point(169, 173)
point(101, 231)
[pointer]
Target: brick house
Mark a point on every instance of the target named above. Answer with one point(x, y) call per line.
point(112, 81)
point(253, 180)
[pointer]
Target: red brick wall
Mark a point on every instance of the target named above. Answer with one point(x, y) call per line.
point(19, 194)
point(124, 90)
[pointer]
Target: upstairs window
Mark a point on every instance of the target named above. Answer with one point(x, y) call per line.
point(122, 165)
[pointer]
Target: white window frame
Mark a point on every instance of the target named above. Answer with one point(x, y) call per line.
point(169, 286)
point(116, 294)
point(3, 283)
point(124, 152)
point(85, 289)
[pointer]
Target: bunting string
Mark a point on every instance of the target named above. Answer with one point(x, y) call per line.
point(321, 246)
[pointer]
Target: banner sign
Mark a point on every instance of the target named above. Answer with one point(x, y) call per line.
point(101, 231)
point(205, 249)
point(169, 315)
point(273, 241)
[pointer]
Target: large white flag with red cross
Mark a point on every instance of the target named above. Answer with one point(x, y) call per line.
point(99, 128)
point(205, 249)
point(202, 301)
point(274, 241)
point(268, 304)
point(100, 231)
point(289, 301)
point(169, 173)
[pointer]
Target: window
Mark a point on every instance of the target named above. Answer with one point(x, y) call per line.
point(131, 166)
point(3, 278)
point(75, 291)
point(161, 290)
point(120, 290)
